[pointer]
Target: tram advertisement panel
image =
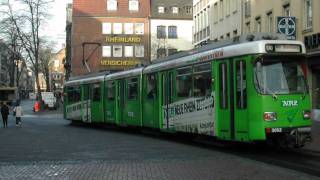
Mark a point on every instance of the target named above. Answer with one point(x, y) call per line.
point(74, 111)
point(193, 115)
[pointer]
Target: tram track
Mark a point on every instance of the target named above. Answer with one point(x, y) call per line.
point(302, 160)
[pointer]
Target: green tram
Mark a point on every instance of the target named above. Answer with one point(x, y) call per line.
point(248, 92)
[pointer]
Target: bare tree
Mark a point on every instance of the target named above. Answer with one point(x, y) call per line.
point(45, 55)
point(27, 23)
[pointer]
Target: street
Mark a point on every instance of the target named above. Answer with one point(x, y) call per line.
point(49, 147)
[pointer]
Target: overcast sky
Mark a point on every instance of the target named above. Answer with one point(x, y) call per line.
point(55, 27)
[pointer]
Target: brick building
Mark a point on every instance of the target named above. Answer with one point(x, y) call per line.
point(109, 35)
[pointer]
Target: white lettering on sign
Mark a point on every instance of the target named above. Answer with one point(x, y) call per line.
point(290, 103)
point(193, 115)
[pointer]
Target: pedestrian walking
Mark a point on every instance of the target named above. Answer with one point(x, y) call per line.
point(19, 112)
point(4, 114)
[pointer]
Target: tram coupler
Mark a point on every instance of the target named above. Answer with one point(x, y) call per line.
point(301, 136)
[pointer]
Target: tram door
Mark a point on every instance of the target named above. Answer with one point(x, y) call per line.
point(241, 121)
point(86, 103)
point(121, 101)
point(167, 95)
point(232, 100)
point(151, 101)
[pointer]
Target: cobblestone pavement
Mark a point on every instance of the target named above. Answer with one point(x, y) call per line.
point(51, 148)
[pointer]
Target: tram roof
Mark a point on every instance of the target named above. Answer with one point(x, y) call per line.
point(211, 52)
point(85, 80)
point(125, 74)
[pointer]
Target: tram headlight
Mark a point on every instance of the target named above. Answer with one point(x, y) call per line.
point(307, 114)
point(270, 116)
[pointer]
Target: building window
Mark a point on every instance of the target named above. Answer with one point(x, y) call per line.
point(175, 10)
point(172, 51)
point(248, 30)
point(228, 36)
point(234, 5)
point(188, 9)
point(216, 13)
point(139, 51)
point(161, 32)
point(106, 51)
point(172, 32)
point(235, 33)
point(221, 10)
point(117, 28)
point(133, 5)
point(227, 7)
point(308, 14)
point(286, 10)
point(161, 52)
point(160, 9)
point(139, 28)
point(128, 51)
point(247, 8)
point(128, 28)
point(112, 5)
point(258, 24)
point(270, 22)
point(106, 28)
point(117, 51)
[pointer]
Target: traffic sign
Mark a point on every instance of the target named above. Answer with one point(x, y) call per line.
point(287, 26)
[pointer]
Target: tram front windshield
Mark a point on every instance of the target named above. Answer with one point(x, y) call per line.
point(280, 75)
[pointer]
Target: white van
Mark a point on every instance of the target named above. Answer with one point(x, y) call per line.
point(49, 99)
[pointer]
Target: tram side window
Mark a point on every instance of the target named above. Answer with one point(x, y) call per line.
point(241, 85)
point(184, 82)
point(73, 95)
point(96, 93)
point(223, 87)
point(111, 91)
point(151, 86)
point(202, 80)
point(133, 88)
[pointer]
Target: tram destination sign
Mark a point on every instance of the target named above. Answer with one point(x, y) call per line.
point(287, 26)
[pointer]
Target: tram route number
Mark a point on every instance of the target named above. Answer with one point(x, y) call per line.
point(276, 130)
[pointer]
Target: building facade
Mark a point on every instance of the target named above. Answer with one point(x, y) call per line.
point(170, 27)
point(4, 65)
point(67, 63)
point(109, 35)
point(216, 20)
point(57, 70)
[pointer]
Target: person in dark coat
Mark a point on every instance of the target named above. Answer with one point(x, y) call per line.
point(5, 113)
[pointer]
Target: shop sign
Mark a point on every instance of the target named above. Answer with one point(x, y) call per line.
point(123, 39)
point(107, 62)
point(287, 26)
